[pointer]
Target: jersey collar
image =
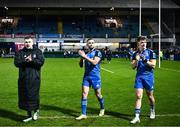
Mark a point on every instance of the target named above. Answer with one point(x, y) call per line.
point(92, 50)
point(142, 50)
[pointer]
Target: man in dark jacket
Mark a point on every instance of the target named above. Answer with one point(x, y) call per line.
point(29, 60)
point(108, 55)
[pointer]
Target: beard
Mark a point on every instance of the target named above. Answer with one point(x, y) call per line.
point(28, 47)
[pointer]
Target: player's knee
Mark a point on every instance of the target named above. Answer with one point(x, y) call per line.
point(151, 97)
point(85, 94)
point(99, 95)
point(139, 96)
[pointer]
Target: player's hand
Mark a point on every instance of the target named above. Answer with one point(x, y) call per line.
point(28, 58)
point(143, 57)
point(137, 57)
point(81, 53)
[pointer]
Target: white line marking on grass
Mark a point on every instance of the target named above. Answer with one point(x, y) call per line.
point(107, 70)
point(168, 69)
point(105, 116)
point(56, 117)
point(167, 115)
point(71, 117)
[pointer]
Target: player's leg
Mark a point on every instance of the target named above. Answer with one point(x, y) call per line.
point(101, 101)
point(152, 103)
point(85, 91)
point(149, 86)
point(139, 95)
point(108, 59)
point(138, 103)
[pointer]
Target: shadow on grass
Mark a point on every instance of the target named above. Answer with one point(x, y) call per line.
point(90, 110)
point(10, 115)
point(66, 111)
point(115, 114)
point(112, 113)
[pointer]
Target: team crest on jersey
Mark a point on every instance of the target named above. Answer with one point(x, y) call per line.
point(34, 55)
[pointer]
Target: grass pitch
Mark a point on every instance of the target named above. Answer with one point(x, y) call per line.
point(61, 95)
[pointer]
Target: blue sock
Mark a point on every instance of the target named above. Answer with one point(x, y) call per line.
point(83, 106)
point(137, 112)
point(101, 102)
point(152, 107)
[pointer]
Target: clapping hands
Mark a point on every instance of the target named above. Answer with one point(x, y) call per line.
point(28, 58)
point(81, 53)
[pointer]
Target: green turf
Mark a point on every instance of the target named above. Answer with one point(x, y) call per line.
point(61, 94)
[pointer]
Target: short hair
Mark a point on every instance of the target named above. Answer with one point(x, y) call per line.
point(27, 37)
point(139, 38)
point(90, 39)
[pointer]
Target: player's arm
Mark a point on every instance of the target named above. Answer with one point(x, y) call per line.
point(135, 60)
point(38, 61)
point(94, 61)
point(19, 60)
point(134, 64)
point(151, 63)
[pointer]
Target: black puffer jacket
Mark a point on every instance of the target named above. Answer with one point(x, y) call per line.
point(29, 78)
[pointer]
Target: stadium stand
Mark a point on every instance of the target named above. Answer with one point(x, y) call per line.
point(89, 3)
point(90, 26)
point(85, 18)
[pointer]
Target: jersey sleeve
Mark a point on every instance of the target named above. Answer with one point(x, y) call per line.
point(134, 56)
point(98, 54)
point(152, 55)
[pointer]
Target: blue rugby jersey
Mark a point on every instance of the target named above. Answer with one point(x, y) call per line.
point(90, 69)
point(143, 68)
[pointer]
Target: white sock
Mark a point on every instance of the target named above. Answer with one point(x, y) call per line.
point(137, 115)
